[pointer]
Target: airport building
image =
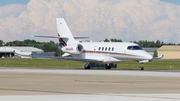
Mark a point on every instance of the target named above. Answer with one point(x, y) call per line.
point(18, 52)
point(169, 52)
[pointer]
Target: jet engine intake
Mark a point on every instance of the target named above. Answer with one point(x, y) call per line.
point(79, 48)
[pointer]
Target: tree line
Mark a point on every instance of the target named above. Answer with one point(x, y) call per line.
point(53, 47)
point(143, 43)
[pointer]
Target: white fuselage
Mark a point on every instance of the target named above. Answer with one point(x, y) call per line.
point(112, 52)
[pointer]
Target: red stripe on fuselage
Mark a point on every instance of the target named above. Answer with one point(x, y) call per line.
point(109, 53)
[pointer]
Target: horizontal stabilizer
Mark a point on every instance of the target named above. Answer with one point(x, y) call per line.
point(81, 37)
point(158, 57)
point(59, 37)
point(51, 37)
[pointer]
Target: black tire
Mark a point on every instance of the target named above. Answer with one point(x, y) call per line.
point(141, 68)
point(87, 67)
point(107, 67)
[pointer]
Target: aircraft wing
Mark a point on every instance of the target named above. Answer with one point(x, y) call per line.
point(158, 57)
point(65, 58)
point(61, 58)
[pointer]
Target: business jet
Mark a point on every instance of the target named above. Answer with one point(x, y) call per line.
point(97, 53)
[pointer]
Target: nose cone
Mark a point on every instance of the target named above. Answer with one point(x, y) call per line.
point(148, 57)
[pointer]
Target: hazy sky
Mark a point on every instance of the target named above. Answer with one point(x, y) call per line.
point(129, 20)
point(7, 2)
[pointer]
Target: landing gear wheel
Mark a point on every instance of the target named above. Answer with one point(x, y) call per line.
point(141, 68)
point(107, 67)
point(87, 66)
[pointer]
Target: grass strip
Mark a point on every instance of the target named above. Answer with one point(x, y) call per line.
point(163, 64)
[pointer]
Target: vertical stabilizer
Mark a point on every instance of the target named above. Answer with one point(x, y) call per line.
point(64, 31)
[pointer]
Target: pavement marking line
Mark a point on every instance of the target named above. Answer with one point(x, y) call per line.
point(9, 78)
point(126, 82)
point(149, 97)
point(22, 77)
point(44, 91)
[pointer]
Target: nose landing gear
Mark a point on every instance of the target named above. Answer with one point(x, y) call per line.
point(141, 68)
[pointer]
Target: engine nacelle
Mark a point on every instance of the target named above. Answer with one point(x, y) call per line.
point(73, 49)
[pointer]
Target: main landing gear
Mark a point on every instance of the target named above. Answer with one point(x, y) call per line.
point(88, 65)
point(108, 67)
point(141, 68)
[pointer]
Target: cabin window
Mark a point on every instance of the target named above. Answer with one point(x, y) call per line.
point(99, 48)
point(109, 48)
point(102, 48)
point(113, 49)
point(106, 49)
point(134, 48)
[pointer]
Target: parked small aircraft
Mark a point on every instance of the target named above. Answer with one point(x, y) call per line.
point(97, 53)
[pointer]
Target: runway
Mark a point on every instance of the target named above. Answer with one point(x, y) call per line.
point(59, 84)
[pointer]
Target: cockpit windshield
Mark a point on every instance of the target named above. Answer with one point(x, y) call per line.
point(134, 48)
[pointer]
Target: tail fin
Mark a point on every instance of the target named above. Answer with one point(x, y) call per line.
point(64, 31)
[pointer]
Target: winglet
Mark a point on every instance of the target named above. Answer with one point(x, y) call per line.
point(158, 57)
